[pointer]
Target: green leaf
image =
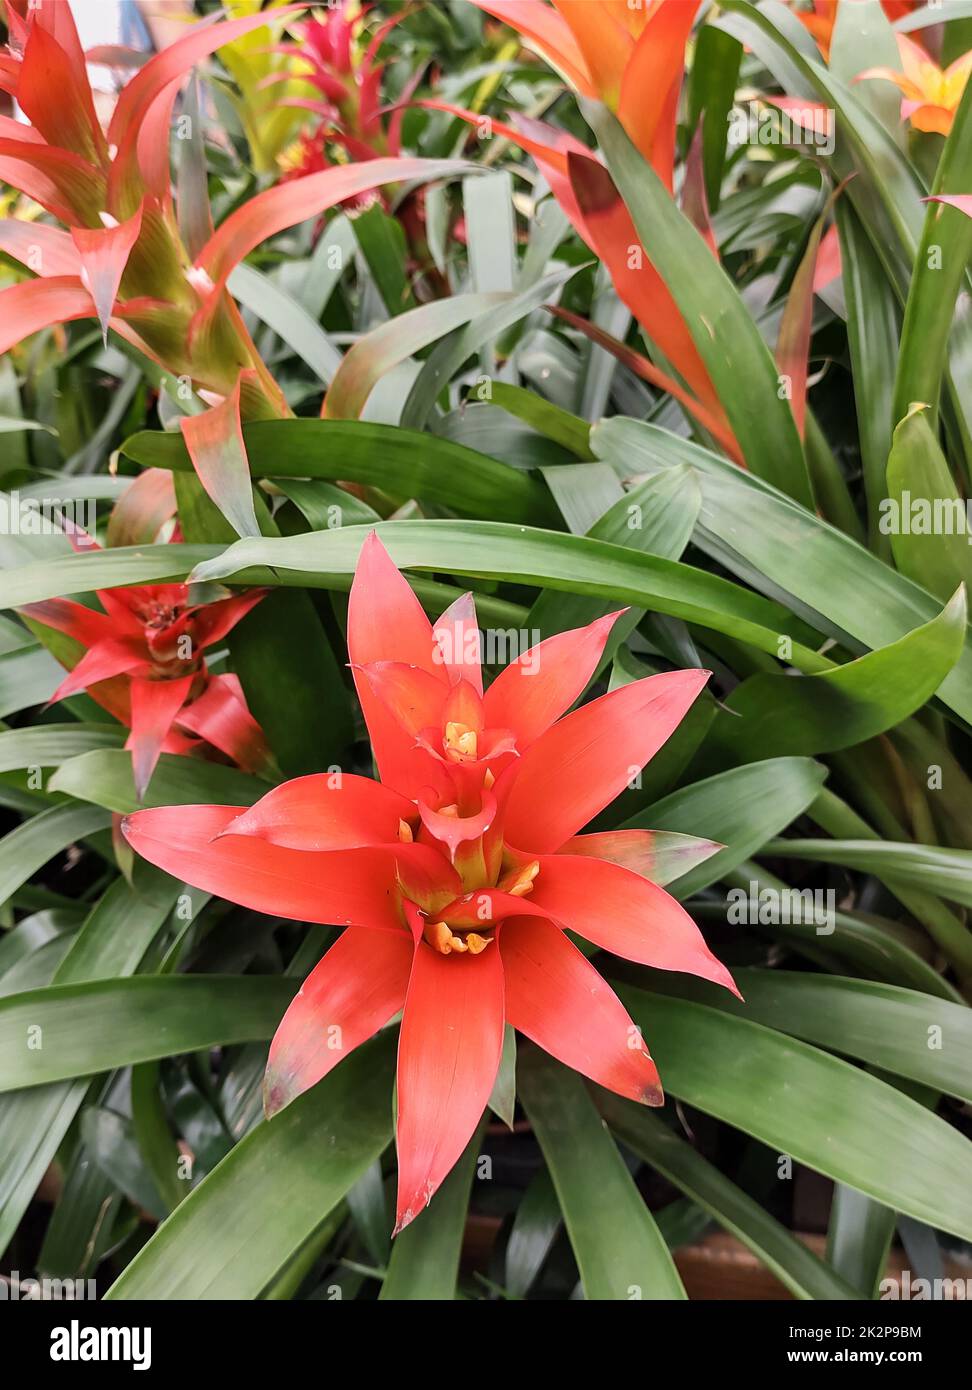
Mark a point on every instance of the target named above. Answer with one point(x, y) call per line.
point(803, 1273)
point(502, 1100)
point(858, 1238)
point(402, 462)
point(446, 359)
point(944, 872)
point(36, 930)
point(273, 1191)
point(104, 777)
point(863, 38)
point(534, 1231)
point(288, 318)
point(28, 677)
point(280, 645)
point(394, 342)
point(547, 419)
point(741, 809)
point(803, 1102)
point(939, 275)
point(885, 188)
point(112, 941)
point(786, 551)
point(137, 564)
point(770, 715)
point(103, 1024)
point(712, 90)
point(946, 929)
point(324, 504)
point(873, 328)
point(10, 424)
point(487, 203)
point(655, 517)
point(25, 850)
point(155, 1141)
point(927, 519)
point(35, 969)
point(84, 1222)
point(289, 674)
point(896, 1030)
point(131, 565)
point(110, 1142)
point(32, 1126)
point(383, 246)
point(866, 944)
point(332, 256)
point(369, 1211)
point(491, 550)
point(424, 1260)
point(121, 926)
point(619, 1250)
point(583, 492)
point(830, 488)
point(728, 341)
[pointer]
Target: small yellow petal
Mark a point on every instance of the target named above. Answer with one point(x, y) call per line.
point(440, 938)
point(477, 943)
point(521, 881)
point(461, 739)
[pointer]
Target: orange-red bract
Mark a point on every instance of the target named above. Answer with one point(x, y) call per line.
point(630, 56)
point(458, 875)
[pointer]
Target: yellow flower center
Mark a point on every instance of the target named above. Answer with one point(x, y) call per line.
point(449, 939)
point(459, 738)
point(442, 938)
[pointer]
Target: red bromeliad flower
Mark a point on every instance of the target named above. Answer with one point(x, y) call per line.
point(349, 84)
point(355, 127)
point(633, 59)
point(143, 662)
point(457, 875)
point(121, 255)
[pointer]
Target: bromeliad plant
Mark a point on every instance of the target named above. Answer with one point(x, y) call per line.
point(142, 659)
point(150, 267)
point(469, 841)
point(675, 380)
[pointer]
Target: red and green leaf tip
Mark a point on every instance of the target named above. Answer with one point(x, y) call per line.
point(141, 658)
point(459, 874)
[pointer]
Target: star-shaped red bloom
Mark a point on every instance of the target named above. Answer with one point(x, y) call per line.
point(144, 663)
point(459, 874)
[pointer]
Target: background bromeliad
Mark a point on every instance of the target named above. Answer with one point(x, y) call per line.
point(595, 376)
